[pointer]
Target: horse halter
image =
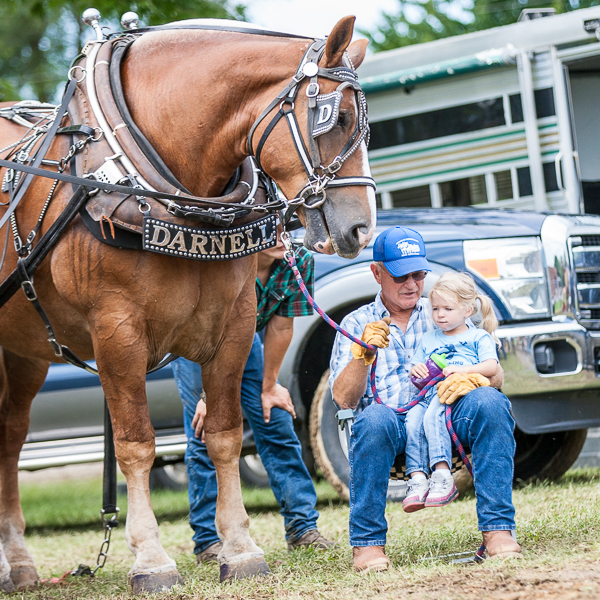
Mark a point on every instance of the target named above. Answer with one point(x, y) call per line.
point(323, 112)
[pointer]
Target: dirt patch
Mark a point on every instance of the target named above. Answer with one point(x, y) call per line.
point(565, 582)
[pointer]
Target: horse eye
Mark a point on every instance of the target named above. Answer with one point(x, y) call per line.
point(342, 119)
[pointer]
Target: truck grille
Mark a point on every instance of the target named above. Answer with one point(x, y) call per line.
point(585, 252)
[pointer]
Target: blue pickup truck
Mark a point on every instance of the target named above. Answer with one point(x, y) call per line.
point(542, 272)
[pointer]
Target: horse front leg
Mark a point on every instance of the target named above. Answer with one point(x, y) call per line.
point(122, 367)
point(20, 381)
point(240, 556)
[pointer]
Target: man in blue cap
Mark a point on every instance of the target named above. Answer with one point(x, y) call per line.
point(395, 323)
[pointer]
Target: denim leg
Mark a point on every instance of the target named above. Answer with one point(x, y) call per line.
point(438, 438)
point(202, 476)
point(378, 436)
point(416, 442)
point(482, 421)
point(280, 452)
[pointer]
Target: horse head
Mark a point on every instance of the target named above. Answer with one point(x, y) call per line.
point(324, 167)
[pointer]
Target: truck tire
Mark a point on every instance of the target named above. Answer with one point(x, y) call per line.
point(329, 445)
point(169, 477)
point(252, 472)
point(174, 477)
point(546, 455)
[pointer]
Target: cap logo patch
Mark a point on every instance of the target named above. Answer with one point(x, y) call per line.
point(409, 247)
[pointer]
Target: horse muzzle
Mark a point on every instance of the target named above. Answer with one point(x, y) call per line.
point(330, 231)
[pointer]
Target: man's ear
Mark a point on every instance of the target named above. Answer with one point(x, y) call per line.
point(376, 273)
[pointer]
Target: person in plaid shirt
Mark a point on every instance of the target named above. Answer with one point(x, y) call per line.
point(268, 407)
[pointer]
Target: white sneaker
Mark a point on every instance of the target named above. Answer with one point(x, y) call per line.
point(442, 490)
point(416, 494)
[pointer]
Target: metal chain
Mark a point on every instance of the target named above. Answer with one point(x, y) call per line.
point(109, 525)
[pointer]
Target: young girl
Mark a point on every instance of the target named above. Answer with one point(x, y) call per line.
point(466, 349)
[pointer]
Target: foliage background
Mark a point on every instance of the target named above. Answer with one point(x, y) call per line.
point(39, 38)
point(417, 21)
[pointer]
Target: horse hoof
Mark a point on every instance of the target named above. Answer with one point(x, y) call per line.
point(24, 578)
point(251, 567)
point(151, 583)
point(7, 586)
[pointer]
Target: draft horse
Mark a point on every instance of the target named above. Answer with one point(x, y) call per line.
point(205, 100)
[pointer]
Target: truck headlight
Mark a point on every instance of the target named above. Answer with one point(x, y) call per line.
point(514, 269)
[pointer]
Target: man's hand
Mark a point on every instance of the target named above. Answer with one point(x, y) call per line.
point(198, 420)
point(459, 385)
point(276, 397)
point(419, 370)
point(375, 334)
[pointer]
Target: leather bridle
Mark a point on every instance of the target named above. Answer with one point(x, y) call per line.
point(319, 177)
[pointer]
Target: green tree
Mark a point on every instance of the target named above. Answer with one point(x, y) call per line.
point(39, 38)
point(418, 21)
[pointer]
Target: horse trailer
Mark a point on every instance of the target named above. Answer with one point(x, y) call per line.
point(505, 117)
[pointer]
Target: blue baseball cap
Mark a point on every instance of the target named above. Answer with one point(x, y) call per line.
point(401, 250)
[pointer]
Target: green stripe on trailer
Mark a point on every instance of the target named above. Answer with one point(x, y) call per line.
point(488, 59)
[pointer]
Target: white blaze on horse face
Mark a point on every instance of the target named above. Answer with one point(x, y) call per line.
point(365, 238)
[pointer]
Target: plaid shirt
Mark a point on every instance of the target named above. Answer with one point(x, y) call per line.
point(394, 362)
point(281, 295)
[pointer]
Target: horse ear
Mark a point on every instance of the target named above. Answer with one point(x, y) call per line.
point(357, 51)
point(338, 41)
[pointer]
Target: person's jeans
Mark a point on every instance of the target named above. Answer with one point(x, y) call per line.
point(416, 442)
point(277, 445)
point(436, 431)
point(482, 421)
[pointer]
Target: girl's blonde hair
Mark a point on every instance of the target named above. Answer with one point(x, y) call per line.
point(460, 288)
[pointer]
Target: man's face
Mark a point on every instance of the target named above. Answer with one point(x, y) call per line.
point(398, 293)
point(276, 252)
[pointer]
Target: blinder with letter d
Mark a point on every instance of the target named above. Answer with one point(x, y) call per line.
point(326, 113)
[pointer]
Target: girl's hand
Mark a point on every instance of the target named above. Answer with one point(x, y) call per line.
point(451, 369)
point(419, 370)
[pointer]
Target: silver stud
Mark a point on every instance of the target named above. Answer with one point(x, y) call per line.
point(130, 20)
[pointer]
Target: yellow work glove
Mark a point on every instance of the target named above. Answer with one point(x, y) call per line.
point(375, 334)
point(459, 385)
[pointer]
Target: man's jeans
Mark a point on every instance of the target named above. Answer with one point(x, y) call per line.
point(277, 445)
point(482, 422)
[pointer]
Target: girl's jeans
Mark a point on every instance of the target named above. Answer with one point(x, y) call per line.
point(482, 421)
point(277, 445)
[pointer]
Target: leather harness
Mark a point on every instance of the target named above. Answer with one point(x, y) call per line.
point(147, 193)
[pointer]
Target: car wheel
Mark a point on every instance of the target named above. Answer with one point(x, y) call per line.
point(169, 477)
point(330, 446)
point(546, 455)
point(252, 472)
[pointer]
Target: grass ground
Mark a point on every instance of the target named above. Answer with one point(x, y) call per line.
point(558, 526)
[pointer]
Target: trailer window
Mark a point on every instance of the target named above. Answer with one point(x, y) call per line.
point(544, 105)
point(417, 197)
point(524, 181)
point(503, 181)
point(464, 192)
point(437, 123)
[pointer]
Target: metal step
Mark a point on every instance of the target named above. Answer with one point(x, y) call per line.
point(42, 455)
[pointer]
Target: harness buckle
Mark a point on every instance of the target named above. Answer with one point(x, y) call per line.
point(29, 290)
point(312, 89)
point(335, 166)
point(56, 347)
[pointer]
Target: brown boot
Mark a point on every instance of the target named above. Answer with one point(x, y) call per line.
point(368, 559)
point(501, 545)
point(311, 539)
point(209, 554)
